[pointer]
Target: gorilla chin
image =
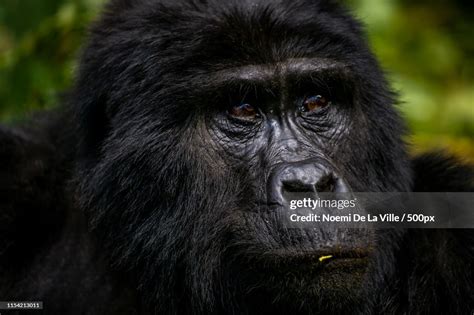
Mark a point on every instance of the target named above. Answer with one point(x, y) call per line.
point(298, 273)
point(302, 283)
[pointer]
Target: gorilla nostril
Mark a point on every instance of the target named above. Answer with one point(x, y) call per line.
point(302, 177)
point(296, 186)
point(326, 183)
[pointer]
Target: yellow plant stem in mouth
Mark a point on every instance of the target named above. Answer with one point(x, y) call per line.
point(324, 257)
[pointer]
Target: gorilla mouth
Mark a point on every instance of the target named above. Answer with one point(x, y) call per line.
point(317, 260)
point(327, 254)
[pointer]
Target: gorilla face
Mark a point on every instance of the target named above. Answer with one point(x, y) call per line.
point(196, 118)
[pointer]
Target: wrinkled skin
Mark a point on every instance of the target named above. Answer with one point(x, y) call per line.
point(195, 117)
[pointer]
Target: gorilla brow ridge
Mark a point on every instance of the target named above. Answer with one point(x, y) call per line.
point(277, 73)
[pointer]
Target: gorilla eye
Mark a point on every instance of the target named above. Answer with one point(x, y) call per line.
point(314, 103)
point(245, 110)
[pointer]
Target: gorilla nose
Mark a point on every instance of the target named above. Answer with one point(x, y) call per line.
point(302, 177)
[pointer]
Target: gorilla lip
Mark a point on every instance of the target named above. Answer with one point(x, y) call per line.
point(330, 255)
point(320, 256)
point(318, 263)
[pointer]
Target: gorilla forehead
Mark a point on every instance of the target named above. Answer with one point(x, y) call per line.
point(234, 32)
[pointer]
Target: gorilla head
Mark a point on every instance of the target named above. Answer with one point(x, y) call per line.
point(195, 117)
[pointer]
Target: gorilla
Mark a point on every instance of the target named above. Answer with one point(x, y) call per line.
point(153, 188)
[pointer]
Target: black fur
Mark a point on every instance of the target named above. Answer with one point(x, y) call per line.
point(126, 201)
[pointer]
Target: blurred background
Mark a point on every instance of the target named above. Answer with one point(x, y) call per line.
point(426, 47)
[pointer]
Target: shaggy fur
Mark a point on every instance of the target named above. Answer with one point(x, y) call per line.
point(133, 198)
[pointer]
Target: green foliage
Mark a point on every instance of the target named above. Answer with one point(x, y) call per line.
point(426, 47)
point(39, 41)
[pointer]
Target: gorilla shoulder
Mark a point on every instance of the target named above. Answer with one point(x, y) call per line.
point(438, 172)
point(33, 198)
